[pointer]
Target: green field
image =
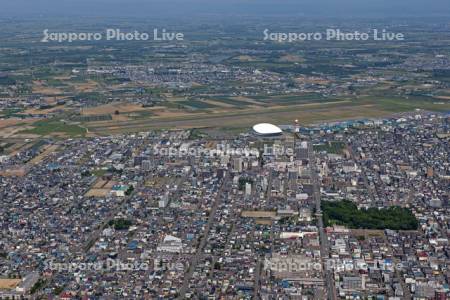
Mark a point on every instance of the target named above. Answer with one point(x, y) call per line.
point(413, 102)
point(197, 104)
point(94, 118)
point(138, 115)
point(46, 127)
point(11, 112)
point(231, 101)
point(292, 99)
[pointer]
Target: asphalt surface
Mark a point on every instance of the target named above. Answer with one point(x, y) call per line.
point(195, 259)
point(324, 249)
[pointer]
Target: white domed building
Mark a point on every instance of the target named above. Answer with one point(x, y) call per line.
point(267, 130)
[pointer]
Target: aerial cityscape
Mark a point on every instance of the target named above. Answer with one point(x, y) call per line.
point(234, 152)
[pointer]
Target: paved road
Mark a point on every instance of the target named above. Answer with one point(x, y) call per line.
point(331, 290)
point(195, 259)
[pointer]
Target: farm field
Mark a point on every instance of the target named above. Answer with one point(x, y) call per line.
point(55, 127)
point(214, 112)
point(307, 113)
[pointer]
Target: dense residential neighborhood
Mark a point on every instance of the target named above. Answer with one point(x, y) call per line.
point(224, 150)
point(164, 215)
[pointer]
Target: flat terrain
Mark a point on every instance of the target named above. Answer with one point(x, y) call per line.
point(8, 284)
point(279, 114)
point(101, 188)
point(56, 128)
point(47, 151)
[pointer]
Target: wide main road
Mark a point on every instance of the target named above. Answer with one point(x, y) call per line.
point(198, 255)
point(324, 249)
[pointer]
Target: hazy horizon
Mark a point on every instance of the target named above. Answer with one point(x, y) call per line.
point(187, 8)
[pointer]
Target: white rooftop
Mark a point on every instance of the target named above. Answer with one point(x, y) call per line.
point(266, 128)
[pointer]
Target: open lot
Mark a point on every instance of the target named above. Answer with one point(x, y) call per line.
point(112, 108)
point(47, 151)
point(8, 284)
point(101, 188)
point(17, 171)
point(258, 214)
